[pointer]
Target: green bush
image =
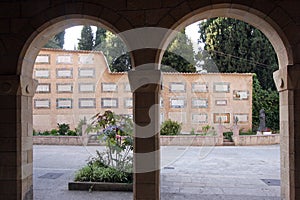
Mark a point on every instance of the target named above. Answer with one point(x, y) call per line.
point(170, 127)
point(63, 128)
point(228, 136)
point(53, 132)
point(71, 133)
point(98, 172)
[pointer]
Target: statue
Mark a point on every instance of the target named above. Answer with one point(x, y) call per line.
point(262, 120)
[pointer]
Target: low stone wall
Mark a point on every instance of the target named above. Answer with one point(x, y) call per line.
point(247, 140)
point(59, 140)
point(190, 140)
point(179, 140)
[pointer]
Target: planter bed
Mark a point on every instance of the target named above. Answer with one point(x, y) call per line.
point(100, 186)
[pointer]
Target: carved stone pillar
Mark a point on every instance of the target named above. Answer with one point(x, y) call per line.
point(145, 84)
point(287, 81)
point(16, 137)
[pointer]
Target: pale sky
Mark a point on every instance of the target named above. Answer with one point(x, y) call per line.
point(72, 34)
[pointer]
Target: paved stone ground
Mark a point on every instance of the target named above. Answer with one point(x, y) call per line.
point(188, 173)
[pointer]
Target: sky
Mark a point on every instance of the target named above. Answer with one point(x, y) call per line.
point(72, 34)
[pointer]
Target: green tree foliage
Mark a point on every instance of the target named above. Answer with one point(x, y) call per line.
point(267, 100)
point(170, 127)
point(57, 41)
point(86, 42)
point(179, 55)
point(116, 53)
point(236, 46)
point(100, 36)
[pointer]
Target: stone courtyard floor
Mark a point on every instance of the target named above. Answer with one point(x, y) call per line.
point(188, 173)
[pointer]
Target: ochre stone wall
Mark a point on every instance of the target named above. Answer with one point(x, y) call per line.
point(187, 88)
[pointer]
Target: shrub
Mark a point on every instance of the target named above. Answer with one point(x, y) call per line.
point(170, 127)
point(71, 133)
point(228, 136)
point(53, 132)
point(63, 128)
point(206, 128)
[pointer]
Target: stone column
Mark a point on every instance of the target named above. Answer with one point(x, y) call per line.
point(287, 81)
point(145, 84)
point(16, 137)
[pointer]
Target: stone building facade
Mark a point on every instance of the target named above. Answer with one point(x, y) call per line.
point(74, 85)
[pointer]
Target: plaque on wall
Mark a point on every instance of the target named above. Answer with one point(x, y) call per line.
point(86, 72)
point(64, 73)
point(109, 87)
point(240, 94)
point(43, 88)
point(109, 102)
point(64, 59)
point(42, 73)
point(199, 87)
point(199, 103)
point(42, 103)
point(221, 87)
point(86, 59)
point(86, 87)
point(87, 103)
point(177, 87)
point(177, 103)
point(221, 118)
point(64, 87)
point(64, 103)
point(42, 59)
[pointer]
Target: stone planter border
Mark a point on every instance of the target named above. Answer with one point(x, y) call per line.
point(100, 186)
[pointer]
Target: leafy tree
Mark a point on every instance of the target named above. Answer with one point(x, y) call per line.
point(236, 46)
point(86, 42)
point(179, 55)
point(267, 100)
point(57, 41)
point(116, 53)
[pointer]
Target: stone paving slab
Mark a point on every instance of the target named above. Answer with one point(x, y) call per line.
point(191, 173)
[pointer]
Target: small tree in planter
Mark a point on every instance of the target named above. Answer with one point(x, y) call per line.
point(115, 163)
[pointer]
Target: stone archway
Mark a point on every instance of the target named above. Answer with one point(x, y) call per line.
point(284, 53)
point(28, 87)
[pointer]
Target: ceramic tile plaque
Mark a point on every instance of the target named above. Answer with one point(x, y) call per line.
point(177, 103)
point(86, 59)
point(221, 118)
point(240, 95)
point(42, 73)
point(109, 102)
point(64, 87)
point(64, 59)
point(42, 103)
point(199, 87)
point(64, 103)
point(42, 59)
point(86, 72)
point(86, 87)
point(87, 102)
point(64, 73)
point(177, 87)
point(242, 118)
point(199, 118)
point(221, 87)
point(199, 103)
point(43, 88)
point(109, 87)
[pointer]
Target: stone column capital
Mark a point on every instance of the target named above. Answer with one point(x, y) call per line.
point(17, 85)
point(287, 78)
point(28, 86)
point(145, 80)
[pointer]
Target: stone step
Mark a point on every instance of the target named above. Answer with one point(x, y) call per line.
point(228, 144)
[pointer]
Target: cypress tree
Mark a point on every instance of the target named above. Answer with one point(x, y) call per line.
point(86, 42)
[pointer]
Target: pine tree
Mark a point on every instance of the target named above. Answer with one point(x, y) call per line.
point(57, 41)
point(86, 42)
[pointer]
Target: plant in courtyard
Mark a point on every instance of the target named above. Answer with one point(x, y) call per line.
point(170, 127)
point(228, 135)
point(63, 128)
point(206, 128)
point(115, 163)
